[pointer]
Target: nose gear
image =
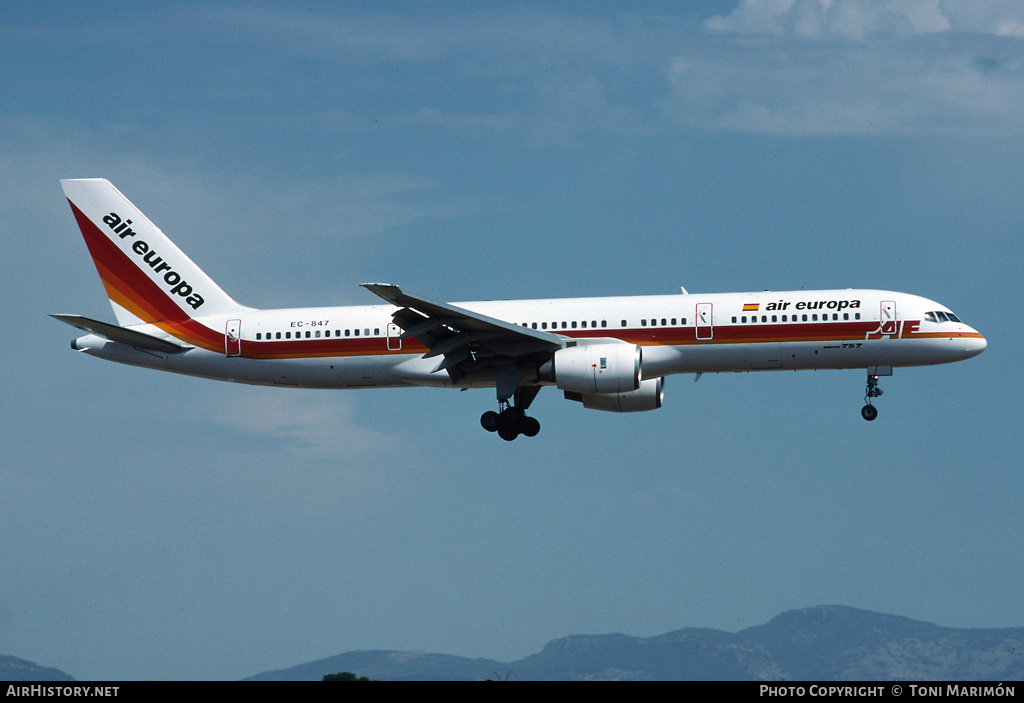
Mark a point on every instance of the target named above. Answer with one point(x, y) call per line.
point(870, 412)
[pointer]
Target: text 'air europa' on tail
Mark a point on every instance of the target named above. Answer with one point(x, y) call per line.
point(147, 278)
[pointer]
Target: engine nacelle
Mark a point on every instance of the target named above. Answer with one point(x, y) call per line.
point(647, 397)
point(612, 367)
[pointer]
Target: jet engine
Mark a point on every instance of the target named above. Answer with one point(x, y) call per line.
point(647, 397)
point(606, 367)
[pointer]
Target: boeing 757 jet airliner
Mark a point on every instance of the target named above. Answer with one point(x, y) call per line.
point(607, 353)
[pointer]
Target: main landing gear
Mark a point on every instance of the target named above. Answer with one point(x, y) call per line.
point(511, 419)
point(510, 423)
point(869, 412)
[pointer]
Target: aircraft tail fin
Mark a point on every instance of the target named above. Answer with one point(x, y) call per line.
point(147, 278)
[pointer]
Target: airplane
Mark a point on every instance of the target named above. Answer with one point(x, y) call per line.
point(610, 353)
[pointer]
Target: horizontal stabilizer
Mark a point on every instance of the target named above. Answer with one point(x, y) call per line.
point(121, 335)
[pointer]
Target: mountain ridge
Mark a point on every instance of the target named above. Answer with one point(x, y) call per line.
point(824, 643)
point(15, 669)
point(820, 643)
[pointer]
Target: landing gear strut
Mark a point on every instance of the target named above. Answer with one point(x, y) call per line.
point(869, 412)
point(511, 420)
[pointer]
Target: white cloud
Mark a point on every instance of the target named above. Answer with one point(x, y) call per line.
point(808, 67)
point(303, 424)
point(813, 19)
point(861, 19)
point(330, 452)
point(1004, 18)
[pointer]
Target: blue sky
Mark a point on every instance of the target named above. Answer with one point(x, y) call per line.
point(157, 526)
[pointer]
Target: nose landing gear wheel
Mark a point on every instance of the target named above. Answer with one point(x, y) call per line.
point(869, 412)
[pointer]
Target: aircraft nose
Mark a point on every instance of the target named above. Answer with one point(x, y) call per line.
point(974, 344)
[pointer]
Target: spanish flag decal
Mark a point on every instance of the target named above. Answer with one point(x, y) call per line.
point(751, 307)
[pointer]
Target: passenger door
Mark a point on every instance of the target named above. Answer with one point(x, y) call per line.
point(888, 317)
point(233, 338)
point(705, 326)
point(394, 337)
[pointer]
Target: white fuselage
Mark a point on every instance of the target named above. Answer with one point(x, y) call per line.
point(360, 346)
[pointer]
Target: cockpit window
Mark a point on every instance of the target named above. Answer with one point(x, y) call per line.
point(941, 316)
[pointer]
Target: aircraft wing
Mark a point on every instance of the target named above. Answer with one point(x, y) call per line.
point(466, 339)
point(122, 335)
